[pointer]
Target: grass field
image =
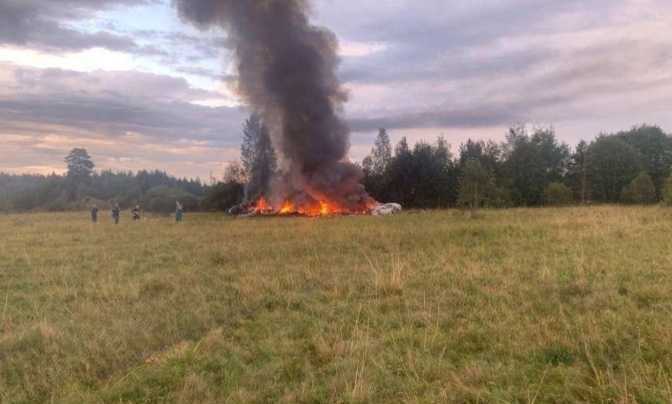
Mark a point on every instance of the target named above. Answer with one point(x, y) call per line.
point(540, 306)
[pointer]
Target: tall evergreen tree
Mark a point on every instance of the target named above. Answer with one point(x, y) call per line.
point(381, 155)
point(401, 186)
point(258, 158)
point(447, 183)
point(376, 165)
point(252, 129)
point(80, 169)
point(80, 165)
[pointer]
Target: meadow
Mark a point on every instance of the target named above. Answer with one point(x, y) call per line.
point(564, 305)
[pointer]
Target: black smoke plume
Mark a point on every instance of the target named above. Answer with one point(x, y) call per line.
point(287, 74)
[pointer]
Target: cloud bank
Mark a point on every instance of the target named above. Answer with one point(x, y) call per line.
point(458, 68)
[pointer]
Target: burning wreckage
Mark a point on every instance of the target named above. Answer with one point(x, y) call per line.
point(315, 209)
point(287, 75)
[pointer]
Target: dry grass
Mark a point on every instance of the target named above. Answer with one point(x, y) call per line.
point(525, 306)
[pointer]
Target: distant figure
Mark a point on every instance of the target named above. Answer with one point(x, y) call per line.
point(116, 211)
point(94, 214)
point(136, 213)
point(179, 212)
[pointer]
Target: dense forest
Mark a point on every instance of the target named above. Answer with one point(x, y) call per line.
point(530, 168)
point(82, 187)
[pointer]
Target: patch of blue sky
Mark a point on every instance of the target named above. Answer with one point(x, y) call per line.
point(158, 16)
point(152, 25)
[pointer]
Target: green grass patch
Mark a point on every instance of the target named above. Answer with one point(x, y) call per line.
point(526, 305)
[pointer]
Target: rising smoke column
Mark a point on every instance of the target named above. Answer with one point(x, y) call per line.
point(287, 74)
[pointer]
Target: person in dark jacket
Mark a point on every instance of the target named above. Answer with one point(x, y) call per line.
point(94, 214)
point(116, 212)
point(136, 213)
point(179, 212)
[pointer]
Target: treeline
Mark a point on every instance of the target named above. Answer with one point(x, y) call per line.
point(82, 187)
point(530, 168)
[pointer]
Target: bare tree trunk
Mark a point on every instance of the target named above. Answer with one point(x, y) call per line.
point(474, 203)
point(583, 182)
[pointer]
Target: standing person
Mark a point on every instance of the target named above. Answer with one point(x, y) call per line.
point(179, 212)
point(136, 213)
point(116, 211)
point(94, 214)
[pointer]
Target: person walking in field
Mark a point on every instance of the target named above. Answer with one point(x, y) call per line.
point(116, 212)
point(94, 214)
point(179, 212)
point(136, 213)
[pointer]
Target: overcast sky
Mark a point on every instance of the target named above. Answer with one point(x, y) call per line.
point(139, 89)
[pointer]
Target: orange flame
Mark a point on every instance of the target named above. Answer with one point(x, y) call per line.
point(324, 208)
point(287, 208)
point(262, 206)
point(313, 209)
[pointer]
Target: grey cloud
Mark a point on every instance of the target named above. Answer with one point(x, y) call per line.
point(444, 65)
point(209, 73)
point(426, 41)
point(438, 24)
point(557, 87)
point(117, 117)
point(45, 24)
point(436, 119)
point(122, 84)
point(483, 115)
point(114, 103)
point(391, 69)
point(181, 48)
point(48, 25)
point(455, 65)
